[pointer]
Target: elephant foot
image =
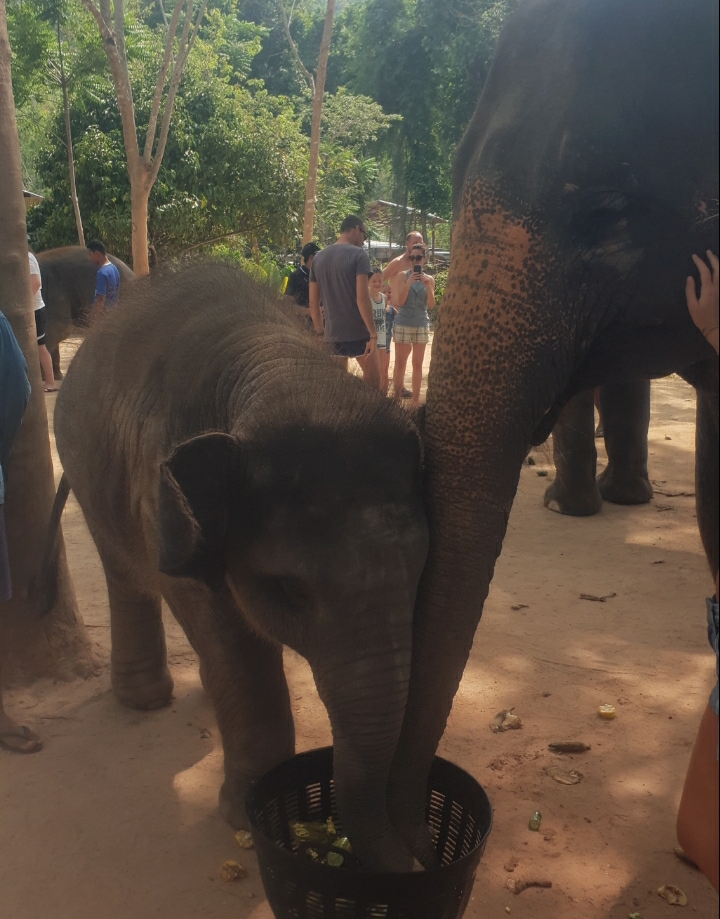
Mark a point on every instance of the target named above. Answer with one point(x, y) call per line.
point(143, 690)
point(624, 489)
point(232, 804)
point(419, 841)
point(573, 503)
point(410, 825)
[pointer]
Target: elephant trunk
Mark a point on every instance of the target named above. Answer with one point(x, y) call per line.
point(497, 367)
point(365, 692)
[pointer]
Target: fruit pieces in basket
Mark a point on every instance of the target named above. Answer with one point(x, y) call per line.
point(321, 843)
point(305, 832)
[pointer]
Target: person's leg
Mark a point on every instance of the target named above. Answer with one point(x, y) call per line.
point(384, 369)
point(418, 356)
point(370, 367)
point(47, 369)
point(402, 353)
point(697, 821)
point(340, 361)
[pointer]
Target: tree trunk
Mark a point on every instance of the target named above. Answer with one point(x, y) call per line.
point(69, 144)
point(57, 646)
point(139, 196)
point(311, 187)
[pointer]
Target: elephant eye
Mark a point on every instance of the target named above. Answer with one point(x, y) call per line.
point(291, 593)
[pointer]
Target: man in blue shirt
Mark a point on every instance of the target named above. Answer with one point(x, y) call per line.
point(107, 282)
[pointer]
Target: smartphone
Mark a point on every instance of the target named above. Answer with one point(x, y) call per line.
point(417, 269)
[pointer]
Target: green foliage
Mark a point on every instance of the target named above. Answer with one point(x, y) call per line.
point(31, 41)
point(403, 79)
point(426, 61)
point(233, 164)
point(264, 267)
point(353, 121)
point(440, 282)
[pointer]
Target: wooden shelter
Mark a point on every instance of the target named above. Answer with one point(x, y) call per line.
point(397, 220)
point(31, 199)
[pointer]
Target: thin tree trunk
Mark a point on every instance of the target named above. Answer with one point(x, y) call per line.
point(143, 168)
point(318, 95)
point(69, 144)
point(57, 646)
point(139, 196)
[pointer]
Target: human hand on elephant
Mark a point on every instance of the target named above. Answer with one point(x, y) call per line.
point(704, 309)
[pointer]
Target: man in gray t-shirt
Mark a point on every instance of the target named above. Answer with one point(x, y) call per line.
point(339, 278)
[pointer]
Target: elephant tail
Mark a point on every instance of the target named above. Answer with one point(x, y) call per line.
point(43, 587)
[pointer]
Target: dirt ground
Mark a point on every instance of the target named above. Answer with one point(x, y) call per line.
point(117, 816)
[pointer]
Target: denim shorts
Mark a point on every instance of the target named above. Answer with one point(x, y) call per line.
point(713, 631)
point(348, 348)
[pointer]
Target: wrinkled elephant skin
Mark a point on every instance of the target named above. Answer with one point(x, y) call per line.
point(68, 289)
point(587, 179)
point(225, 464)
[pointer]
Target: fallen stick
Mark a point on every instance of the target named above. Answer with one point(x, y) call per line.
point(517, 886)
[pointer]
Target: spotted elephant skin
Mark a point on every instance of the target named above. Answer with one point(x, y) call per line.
point(585, 182)
point(68, 289)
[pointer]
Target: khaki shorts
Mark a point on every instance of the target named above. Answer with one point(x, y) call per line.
point(410, 335)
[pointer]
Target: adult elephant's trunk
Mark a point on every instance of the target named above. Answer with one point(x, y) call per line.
point(496, 369)
point(364, 686)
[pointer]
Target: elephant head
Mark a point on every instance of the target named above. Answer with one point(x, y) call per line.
point(319, 531)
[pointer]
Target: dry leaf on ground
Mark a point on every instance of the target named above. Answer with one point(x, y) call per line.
point(505, 721)
point(673, 895)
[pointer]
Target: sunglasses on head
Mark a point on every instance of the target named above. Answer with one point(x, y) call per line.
point(416, 258)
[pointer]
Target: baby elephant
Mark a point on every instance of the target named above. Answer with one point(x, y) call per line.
point(225, 464)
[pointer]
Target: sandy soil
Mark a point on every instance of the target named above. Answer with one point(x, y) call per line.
point(117, 816)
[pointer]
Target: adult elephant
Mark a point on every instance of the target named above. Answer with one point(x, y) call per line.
point(585, 182)
point(625, 410)
point(68, 288)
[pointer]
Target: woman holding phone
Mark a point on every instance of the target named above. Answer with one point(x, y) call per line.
point(415, 295)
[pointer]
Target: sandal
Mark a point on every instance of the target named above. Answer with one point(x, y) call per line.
point(52, 389)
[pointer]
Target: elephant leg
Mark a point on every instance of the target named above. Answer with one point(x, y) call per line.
point(706, 463)
point(574, 491)
point(243, 675)
point(55, 355)
point(625, 409)
point(138, 659)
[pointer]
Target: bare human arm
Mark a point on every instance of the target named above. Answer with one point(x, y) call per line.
point(362, 292)
point(35, 283)
point(395, 266)
point(704, 309)
point(429, 281)
point(315, 313)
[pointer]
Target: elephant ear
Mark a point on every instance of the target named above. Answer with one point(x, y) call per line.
point(196, 485)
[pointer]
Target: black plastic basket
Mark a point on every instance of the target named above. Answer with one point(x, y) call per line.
point(458, 814)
